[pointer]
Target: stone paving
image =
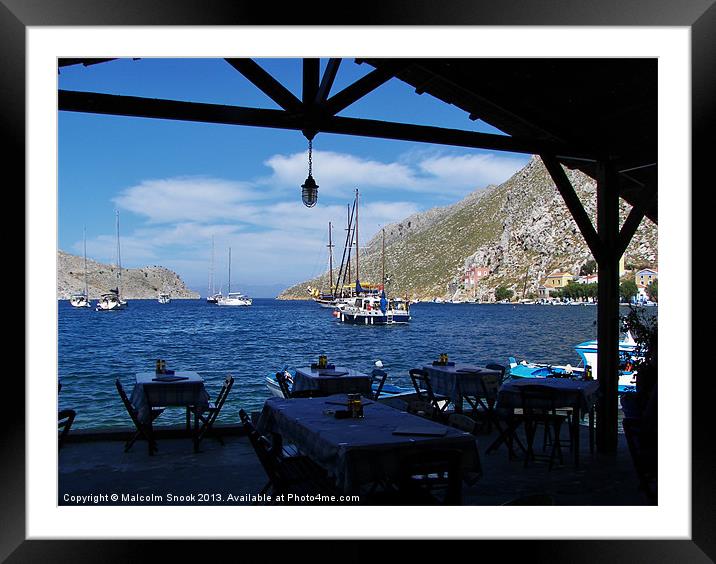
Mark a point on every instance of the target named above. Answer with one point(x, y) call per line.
point(102, 467)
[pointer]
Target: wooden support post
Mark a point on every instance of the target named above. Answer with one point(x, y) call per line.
point(608, 308)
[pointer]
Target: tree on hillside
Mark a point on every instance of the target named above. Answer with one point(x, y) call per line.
point(627, 290)
point(588, 268)
point(652, 290)
point(503, 293)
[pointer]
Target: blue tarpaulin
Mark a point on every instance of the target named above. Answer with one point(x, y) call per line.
point(383, 302)
point(359, 289)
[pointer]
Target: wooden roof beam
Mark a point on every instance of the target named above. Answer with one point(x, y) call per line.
point(358, 90)
point(267, 84)
point(111, 104)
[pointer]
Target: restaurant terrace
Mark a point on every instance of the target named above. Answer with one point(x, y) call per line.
point(466, 432)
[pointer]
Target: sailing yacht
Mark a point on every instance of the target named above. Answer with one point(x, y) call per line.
point(112, 300)
point(326, 299)
point(233, 298)
point(368, 307)
point(82, 300)
point(212, 296)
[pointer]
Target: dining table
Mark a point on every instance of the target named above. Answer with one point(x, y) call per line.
point(458, 381)
point(577, 394)
point(333, 380)
point(182, 388)
point(362, 451)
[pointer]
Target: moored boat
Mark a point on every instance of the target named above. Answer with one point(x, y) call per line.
point(112, 300)
point(375, 311)
point(82, 300)
point(233, 298)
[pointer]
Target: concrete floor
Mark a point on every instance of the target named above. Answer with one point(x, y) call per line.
point(103, 468)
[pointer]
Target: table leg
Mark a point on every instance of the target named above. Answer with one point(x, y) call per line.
point(576, 417)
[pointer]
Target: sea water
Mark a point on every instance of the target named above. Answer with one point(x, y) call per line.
point(252, 342)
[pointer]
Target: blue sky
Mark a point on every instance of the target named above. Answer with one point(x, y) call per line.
point(177, 184)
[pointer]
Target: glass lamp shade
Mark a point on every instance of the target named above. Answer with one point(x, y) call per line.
point(309, 192)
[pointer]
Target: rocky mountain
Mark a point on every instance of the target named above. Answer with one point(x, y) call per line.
point(521, 230)
point(137, 283)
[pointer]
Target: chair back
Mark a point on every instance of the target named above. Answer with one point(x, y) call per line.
point(538, 400)
point(421, 383)
point(262, 448)
point(283, 384)
point(433, 471)
point(501, 369)
point(225, 389)
point(377, 381)
point(128, 404)
point(490, 387)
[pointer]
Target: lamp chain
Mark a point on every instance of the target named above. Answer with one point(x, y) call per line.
point(310, 156)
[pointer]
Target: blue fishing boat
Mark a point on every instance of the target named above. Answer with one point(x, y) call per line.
point(587, 352)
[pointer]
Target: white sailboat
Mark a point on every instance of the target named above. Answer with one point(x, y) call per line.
point(233, 298)
point(112, 300)
point(82, 300)
point(212, 296)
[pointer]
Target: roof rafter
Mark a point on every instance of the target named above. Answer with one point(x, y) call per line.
point(111, 104)
point(267, 84)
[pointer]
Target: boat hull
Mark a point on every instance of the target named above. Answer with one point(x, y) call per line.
point(234, 303)
point(367, 318)
point(111, 306)
point(80, 301)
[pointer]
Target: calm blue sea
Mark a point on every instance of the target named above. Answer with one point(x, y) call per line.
point(252, 342)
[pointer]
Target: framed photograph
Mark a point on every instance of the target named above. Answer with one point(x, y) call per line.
point(165, 184)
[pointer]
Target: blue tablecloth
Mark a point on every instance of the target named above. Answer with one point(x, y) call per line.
point(148, 393)
point(458, 381)
point(335, 381)
point(360, 451)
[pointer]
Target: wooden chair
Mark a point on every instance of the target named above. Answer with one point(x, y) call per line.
point(505, 420)
point(430, 477)
point(207, 421)
point(143, 430)
point(286, 473)
point(65, 418)
point(377, 381)
point(500, 368)
point(283, 384)
point(288, 394)
point(426, 396)
point(539, 407)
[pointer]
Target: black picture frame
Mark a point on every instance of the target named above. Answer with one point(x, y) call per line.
point(17, 15)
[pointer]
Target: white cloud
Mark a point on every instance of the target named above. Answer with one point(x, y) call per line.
point(475, 170)
point(199, 199)
point(274, 238)
point(421, 171)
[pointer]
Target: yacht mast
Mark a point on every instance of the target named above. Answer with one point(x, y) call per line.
point(84, 243)
point(383, 259)
point(211, 290)
point(349, 238)
point(119, 258)
point(357, 247)
point(330, 256)
point(229, 290)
